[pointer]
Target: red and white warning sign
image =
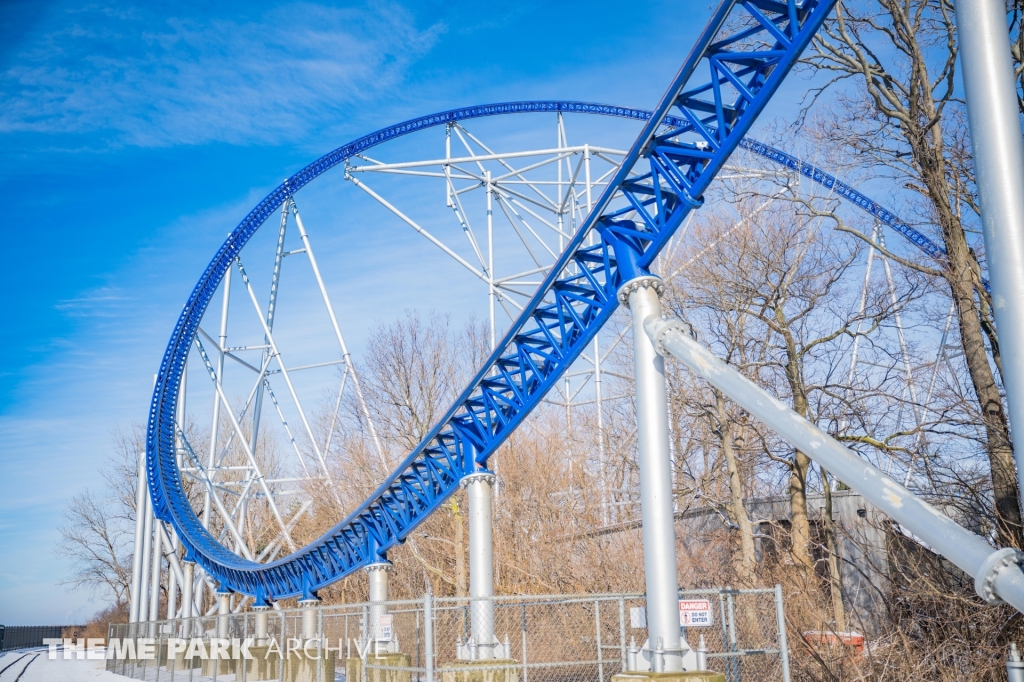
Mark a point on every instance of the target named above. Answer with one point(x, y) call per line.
point(694, 613)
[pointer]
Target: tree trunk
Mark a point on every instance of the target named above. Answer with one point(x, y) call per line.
point(914, 101)
point(800, 527)
point(972, 338)
point(834, 558)
point(745, 560)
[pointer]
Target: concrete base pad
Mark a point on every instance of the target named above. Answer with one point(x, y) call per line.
point(181, 663)
point(224, 666)
point(304, 669)
point(689, 676)
point(264, 665)
point(494, 670)
point(354, 668)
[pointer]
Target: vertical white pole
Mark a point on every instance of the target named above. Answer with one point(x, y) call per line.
point(659, 538)
point(187, 596)
point(561, 239)
point(262, 624)
point(447, 155)
point(309, 611)
point(428, 635)
point(172, 581)
point(601, 480)
point(586, 170)
point(147, 553)
point(139, 551)
point(490, 255)
point(377, 575)
point(275, 282)
point(215, 427)
point(999, 165)
point(223, 614)
point(154, 587)
point(179, 447)
point(479, 489)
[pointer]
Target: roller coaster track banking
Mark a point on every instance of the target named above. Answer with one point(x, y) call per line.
point(739, 61)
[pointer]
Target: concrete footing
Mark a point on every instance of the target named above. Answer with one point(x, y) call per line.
point(266, 665)
point(490, 670)
point(223, 666)
point(303, 669)
point(354, 668)
point(689, 676)
point(263, 665)
point(182, 663)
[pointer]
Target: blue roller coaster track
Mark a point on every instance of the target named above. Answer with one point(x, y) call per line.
point(729, 76)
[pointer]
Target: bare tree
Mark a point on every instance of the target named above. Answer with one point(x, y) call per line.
point(905, 117)
point(97, 530)
point(98, 547)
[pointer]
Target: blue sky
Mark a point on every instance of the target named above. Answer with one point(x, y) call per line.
point(119, 121)
point(134, 137)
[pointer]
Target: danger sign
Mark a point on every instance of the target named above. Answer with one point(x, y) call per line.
point(385, 628)
point(695, 613)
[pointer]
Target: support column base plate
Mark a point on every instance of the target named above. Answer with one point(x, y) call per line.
point(488, 670)
point(688, 676)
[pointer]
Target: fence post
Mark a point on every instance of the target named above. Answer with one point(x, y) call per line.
point(366, 643)
point(597, 638)
point(526, 673)
point(283, 647)
point(731, 602)
point(320, 642)
point(170, 659)
point(161, 647)
point(725, 636)
point(780, 616)
point(622, 631)
point(428, 635)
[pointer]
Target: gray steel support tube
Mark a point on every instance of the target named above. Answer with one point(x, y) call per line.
point(223, 614)
point(997, 572)
point(999, 166)
point(377, 576)
point(139, 549)
point(170, 554)
point(154, 587)
point(147, 552)
point(479, 491)
point(172, 586)
point(187, 598)
point(309, 609)
point(659, 535)
point(262, 624)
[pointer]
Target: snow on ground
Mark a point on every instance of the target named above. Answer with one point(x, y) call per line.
point(36, 666)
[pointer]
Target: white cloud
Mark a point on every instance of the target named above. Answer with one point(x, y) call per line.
point(143, 80)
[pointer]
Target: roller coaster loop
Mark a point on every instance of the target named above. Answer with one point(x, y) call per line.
point(729, 76)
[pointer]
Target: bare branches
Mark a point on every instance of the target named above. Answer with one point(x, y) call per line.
point(903, 55)
point(97, 546)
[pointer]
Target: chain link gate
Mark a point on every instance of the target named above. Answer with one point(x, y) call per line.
point(556, 638)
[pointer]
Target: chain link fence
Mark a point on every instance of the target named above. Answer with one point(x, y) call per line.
point(556, 638)
point(22, 636)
